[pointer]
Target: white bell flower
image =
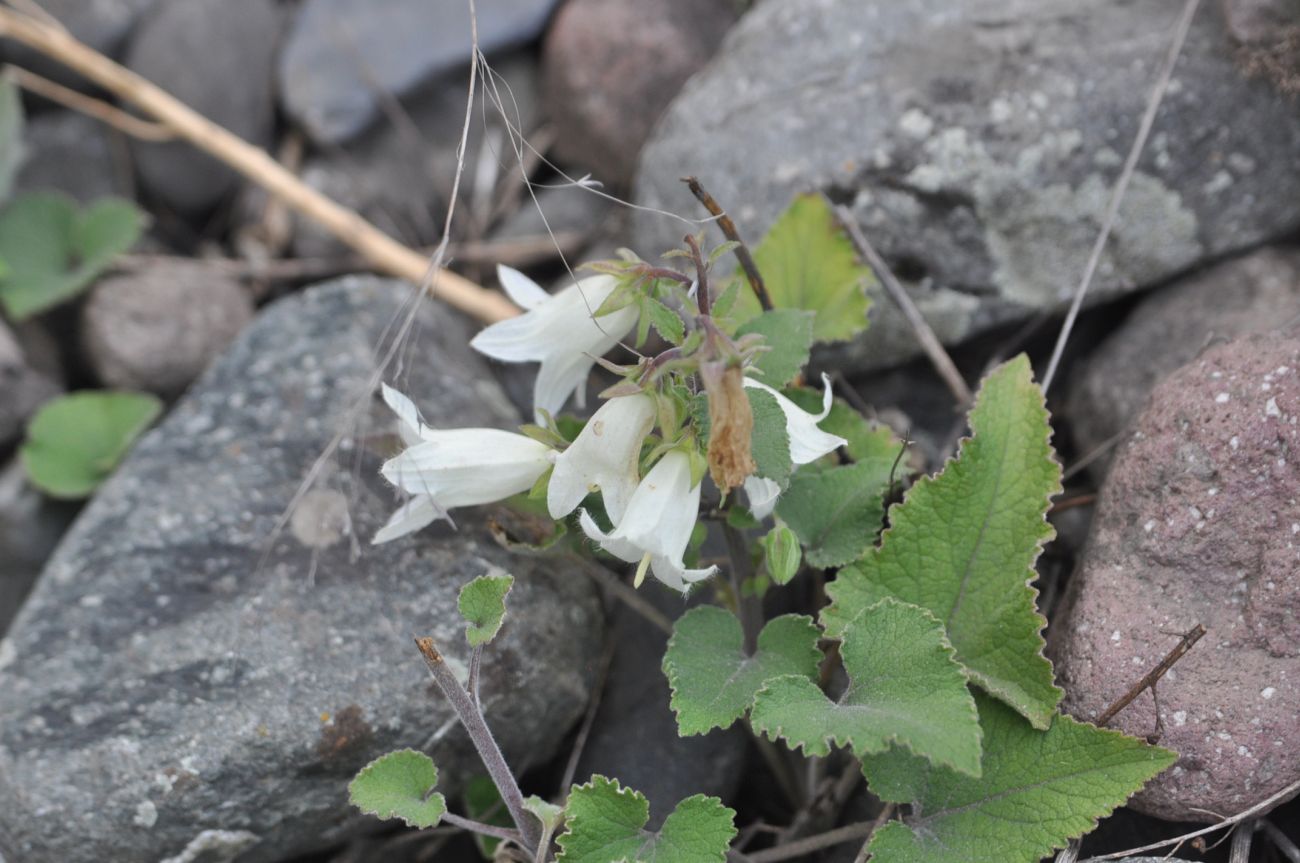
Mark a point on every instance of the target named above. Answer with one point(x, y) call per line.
point(604, 456)
point(762, 493)
point(656, 527)
point(558, 331)
point(807, 442)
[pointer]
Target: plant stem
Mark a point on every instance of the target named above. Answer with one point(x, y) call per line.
point(728, 228)
point(747, 607)
point(813, 843)
point(475, 666)
point(702, 297)
point(472, 718)
point(479, 827)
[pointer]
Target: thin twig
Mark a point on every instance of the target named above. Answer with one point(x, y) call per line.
point(1280, 840)
point(1092, 455)
point(479, 827)
point(1121, 187)
point(593, 706)
point(1153, 676)
point(627, 595)
point(729, 231)
point(1071, 502)
point(930, 343)
point(381, 250)
point(1262, 806)
point(472, 718)
point(88, 105)
point(801, 847)
point(776, 762)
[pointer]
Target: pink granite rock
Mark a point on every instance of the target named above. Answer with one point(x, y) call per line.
point(1199, 523)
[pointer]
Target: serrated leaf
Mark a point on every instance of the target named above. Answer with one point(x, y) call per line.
point(606, 824)
point(665, 321)
point(963, 544)
point(11, 135)
point(397, 785)
point(1038, 790)
point(782, 554)
point(770, 441)
point(867, 439)
point(75, 441)
point(54, 251)
point(905, 687)
point(836, 512)
point(789, 335)
point(713, 682)
point(482, 603)
point(724, 302)
point(808, 263)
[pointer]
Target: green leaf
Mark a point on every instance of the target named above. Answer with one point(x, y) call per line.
point(482, 603)
point(665, 321)
point(808, 263)
point(11, 135)
point(549, 814)
point(398, 785)
point(905, 687)
point(963, 544)
point(770, 441)
point(75, 441)
point(1038, 790)
point(606, 825)
point(867, 439)
point(836, 512)
point(713, 682)
point(483, 803)
point(789, 335)
point(782, 554)
point(54, 251)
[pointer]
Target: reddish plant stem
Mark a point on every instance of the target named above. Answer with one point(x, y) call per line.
point(728, 229)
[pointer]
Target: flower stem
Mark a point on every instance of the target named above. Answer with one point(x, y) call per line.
point(701, 277)
point(747, 607)
point(472, 718)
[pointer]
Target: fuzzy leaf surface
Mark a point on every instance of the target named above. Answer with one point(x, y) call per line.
point(789, 335)
point(963, 544)
point(713, 682)
point(75, 441)
point(482, 603)
point(769, 441)
point(606, 824)
point(397, 785)
point(665, 321)
point(905, 687)
point(836, 511)
point(1038, 790)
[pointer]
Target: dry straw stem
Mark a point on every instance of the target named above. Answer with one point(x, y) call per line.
point(382, 251)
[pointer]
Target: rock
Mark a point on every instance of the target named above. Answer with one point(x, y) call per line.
point(23, 388)
point(218, 57)
point(399, 175)
point(1251, 294)
point(343, 58)
point(612, 66)
point(1259, 20)
point(183, 676)
point(102, 24)
point(634, 735)
point(1198, 523)
point(30, 527)
point(71, 153)
point(977, 144)
point(157, 329)
point(567, 210)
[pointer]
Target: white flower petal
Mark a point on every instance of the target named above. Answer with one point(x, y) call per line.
point(408, 415)
point(762, 494)
point(620, 548)
point(604, 456)
point(467, 467)
point(522, 291)
point(416, 513)
point(807, 442)
point(677, 577)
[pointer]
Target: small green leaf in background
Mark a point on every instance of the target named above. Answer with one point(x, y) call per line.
point(836, 512)
point(75, 441)
point(54, 250)
point(606, 824)
point(904, 687)
point(1039, 789)
point(963, 544)
point(549, 814)
point(665, 321)
point(867, 439)
point(713, 681)
point(483, 605)
point(782, 554)
point(808, 263)
point(788, 334)
point(11, 135)
point(483, 803)
point(770, 441)
point(398, 785)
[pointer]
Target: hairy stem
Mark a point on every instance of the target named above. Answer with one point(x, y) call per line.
point(479, 827)
point(747, 607)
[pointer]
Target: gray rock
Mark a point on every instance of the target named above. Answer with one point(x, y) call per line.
point(344, 57)
point(1251, 294)
point(157, 329)
point(1260, 20)
point(1198, 522)
point(30, 527)
point(611, 68)
point(70, 153)
point(102, 24)
point(218, 57)
point(23, 388)
point(399, 174)
point(183, 675)
point(977, 143)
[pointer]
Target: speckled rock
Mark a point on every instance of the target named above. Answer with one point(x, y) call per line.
point(1251, 294)
point(344, 57)
point(23, 387)
point(1199, 523)
point(71, 153)
point(157, 329)
point(977, 143)
point(184, 677)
